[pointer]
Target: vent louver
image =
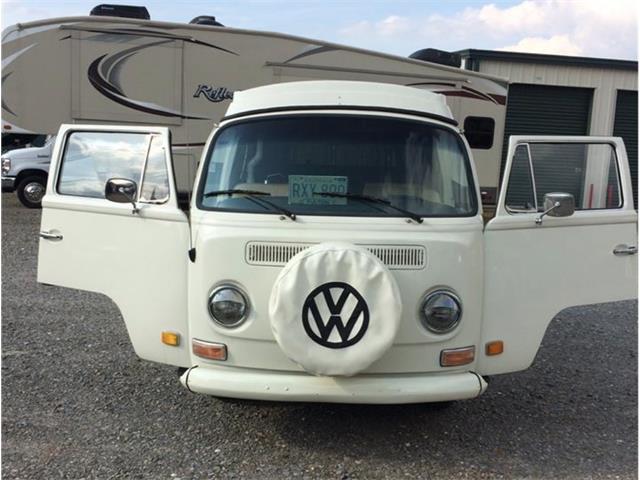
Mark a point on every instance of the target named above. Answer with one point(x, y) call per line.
point(395, 257)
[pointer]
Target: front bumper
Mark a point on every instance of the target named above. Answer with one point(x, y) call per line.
point(300, 387)
point(8, 184)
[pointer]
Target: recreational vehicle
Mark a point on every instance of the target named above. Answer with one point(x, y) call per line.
point(108, 70)
point(334, 248)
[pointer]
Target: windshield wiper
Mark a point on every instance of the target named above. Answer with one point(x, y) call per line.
point(251, 195)
point(368, 198)
point(232, 191)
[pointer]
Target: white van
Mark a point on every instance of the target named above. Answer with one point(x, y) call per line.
point(334, 249)
point(25, 171)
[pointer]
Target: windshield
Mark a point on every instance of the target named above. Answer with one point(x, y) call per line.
point(13, 141)
point(411, 165)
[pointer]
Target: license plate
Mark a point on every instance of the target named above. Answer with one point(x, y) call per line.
point(304, 189)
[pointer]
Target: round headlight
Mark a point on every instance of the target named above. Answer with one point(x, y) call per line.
point(441, 311)
point(228, 306)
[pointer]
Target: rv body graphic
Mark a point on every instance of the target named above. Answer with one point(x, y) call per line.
point(129, 71)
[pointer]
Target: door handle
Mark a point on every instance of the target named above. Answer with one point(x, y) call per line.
point(625, 250)
point(51, 236)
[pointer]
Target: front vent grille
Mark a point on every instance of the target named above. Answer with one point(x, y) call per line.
point(400, 257)
point(395, 257)
point(273, 254)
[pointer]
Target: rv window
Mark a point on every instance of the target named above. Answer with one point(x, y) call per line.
point(479, 132)
point(92, 158)
point(155, 183)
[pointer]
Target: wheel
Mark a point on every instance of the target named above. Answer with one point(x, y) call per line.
point(30, 191)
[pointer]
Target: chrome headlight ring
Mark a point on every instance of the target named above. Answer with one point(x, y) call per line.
point(440, 311)
point(228, 306)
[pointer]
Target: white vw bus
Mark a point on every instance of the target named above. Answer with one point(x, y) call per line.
point(334, 249)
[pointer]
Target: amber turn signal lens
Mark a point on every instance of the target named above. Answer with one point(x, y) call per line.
point(457, 356)
point(209, 350)
point(171, 338)
point(494, 348)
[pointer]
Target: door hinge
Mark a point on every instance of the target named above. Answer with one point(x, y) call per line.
point(192, 255)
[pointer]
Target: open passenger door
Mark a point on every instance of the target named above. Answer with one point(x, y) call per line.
point(136, 255)
point(537, 263)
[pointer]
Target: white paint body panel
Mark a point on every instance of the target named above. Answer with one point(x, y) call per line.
point(454, 250)
point(327, 93)
point(139, 261)
point(533, 272)
point(33, 158)
point(512, 278)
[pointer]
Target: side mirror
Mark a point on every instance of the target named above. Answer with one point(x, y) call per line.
point(121, 190)
point(557, 204)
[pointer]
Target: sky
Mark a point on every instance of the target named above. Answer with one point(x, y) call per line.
point(590, 28)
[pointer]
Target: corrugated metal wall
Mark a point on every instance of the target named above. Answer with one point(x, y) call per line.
point(547, 110)
point(605, 82)
point(626, 126)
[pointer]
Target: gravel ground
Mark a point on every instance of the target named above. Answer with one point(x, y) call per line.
point(77, 403)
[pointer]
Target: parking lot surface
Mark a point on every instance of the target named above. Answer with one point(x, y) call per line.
point(78, 403)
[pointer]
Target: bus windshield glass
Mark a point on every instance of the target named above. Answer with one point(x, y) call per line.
point(338, 165)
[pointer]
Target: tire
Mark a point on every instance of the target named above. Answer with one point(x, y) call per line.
point(31, 189)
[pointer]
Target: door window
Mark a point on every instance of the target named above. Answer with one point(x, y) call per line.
point(155, 184)
point(521, 196)
point(588, 171)
point(90, 159)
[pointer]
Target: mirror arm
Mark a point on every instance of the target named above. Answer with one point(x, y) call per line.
point(133, 203)
point(539, 219)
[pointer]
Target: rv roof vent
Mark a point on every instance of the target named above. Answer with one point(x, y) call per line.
point(126, 11)
point(206, 20)
point(434, 55)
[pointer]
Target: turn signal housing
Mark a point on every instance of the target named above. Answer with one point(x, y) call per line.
point(209, 350)
point(170, 338)
point(455, 357)
point(494, 348)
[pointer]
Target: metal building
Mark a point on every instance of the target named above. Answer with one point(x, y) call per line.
point(562, 95)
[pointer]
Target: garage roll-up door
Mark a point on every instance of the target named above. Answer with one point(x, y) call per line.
point(626, 126)
point(550, 110)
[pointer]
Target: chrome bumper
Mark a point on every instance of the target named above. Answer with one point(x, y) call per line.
point(8, 184)
point(299, 387)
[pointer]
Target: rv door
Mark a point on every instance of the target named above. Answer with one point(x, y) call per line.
point(135, 252)
point(541, 256)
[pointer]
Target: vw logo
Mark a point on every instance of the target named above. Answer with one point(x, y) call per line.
point(335, 315)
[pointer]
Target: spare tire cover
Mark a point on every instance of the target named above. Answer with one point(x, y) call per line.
point(335, 309)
